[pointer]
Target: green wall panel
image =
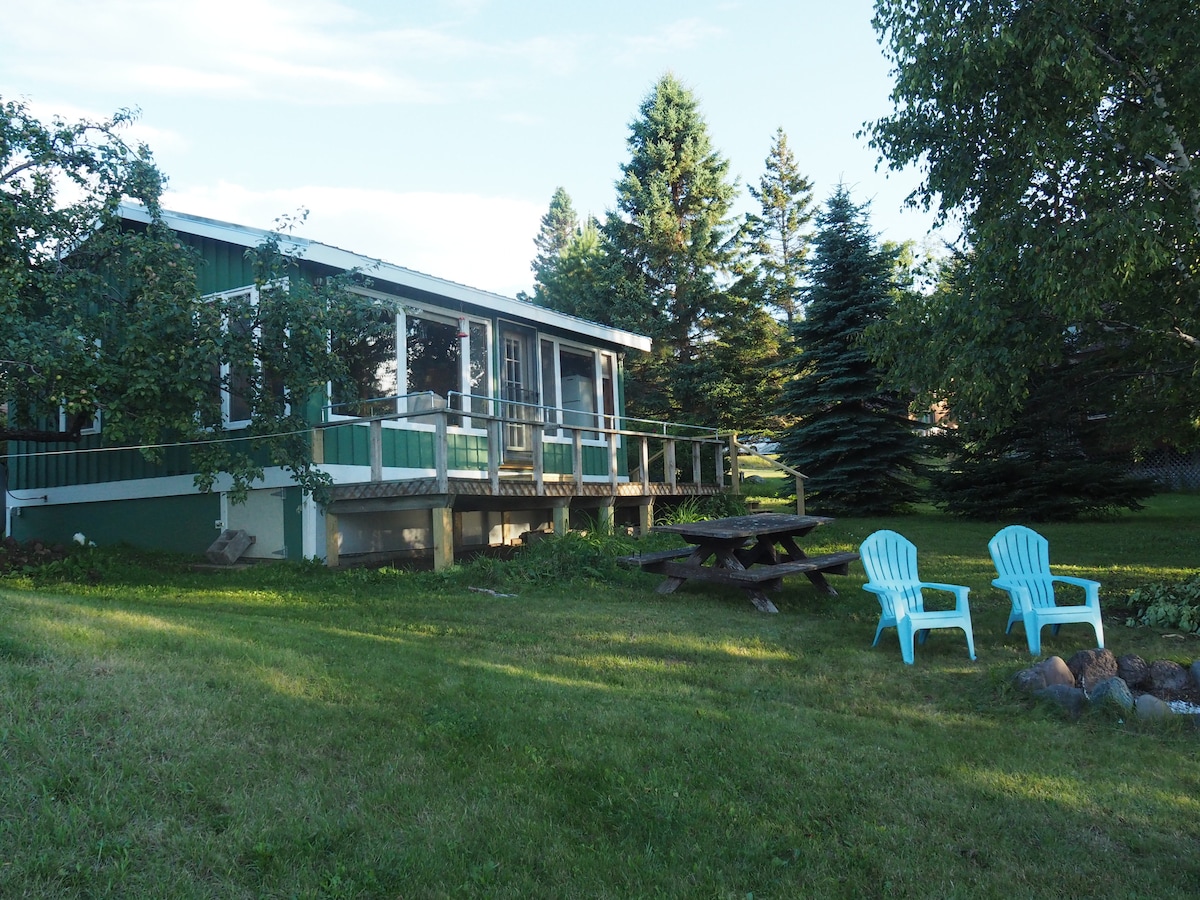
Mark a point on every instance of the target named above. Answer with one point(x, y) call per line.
point(180, 524)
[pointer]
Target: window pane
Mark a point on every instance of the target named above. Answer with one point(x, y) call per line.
point(607, 390)
point(434, 355)
point(480, 387)
point(241, 378)
point(549, 386)
point(370, 357)
point(578, 387)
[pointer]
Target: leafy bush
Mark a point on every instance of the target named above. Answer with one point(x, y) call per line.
point(1175, 606)
point(697, 509)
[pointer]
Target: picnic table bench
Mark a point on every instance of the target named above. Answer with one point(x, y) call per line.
point(744, 552)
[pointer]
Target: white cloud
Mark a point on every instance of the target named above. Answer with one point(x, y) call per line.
point(483, 242)
point(675, 37)
point(302, 51)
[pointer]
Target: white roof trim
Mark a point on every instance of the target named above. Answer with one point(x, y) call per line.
point(324, 254)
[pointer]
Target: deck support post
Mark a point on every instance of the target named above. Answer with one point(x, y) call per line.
point(562, 516)
point(332, 540)
point(443, 537)
point(645, 517)
point(604, 516)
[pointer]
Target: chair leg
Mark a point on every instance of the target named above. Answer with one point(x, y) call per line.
point(878, 632)
point(970, 641)
point(1099, 629)
point(1034, 638)
point(904, 630)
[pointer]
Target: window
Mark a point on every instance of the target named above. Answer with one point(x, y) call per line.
point(240, 377)
point(577, 379)
point(433, 358)
point(478, 372)
point(91, 424)
point(410, 360)
point(369, 354)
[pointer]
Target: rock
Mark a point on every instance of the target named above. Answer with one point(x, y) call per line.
point(1070, 699)
point(1056, 671)
point(1167, 677)
point(1195, 670)
point(1030, 680)
point(1090, 667)
point(1133, 670)
point(1112, 692)
point(1150, 707)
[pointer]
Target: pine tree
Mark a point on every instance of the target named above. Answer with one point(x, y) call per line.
point(852, 438)
point(560, 225)
point(780, 237)
point(668, 247)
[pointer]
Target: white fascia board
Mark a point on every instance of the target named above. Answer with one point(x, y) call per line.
point(324, 254)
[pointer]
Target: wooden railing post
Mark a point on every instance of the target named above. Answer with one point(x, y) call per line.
point(696, 479)
point(375, 440)
point(494, 435)
point(669, 464)
point(441, 454)
point(734, 467)
point(644, 464)
point(719, 453)
point(613, 472)
point(799, 495)
point(538, 432)
point(577, 458)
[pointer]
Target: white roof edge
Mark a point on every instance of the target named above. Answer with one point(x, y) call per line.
point(325, 254)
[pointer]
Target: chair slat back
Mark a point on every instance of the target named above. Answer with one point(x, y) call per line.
point(891, 561)
point(1022, 555)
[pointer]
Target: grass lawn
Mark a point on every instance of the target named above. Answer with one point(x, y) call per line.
point(289, 731)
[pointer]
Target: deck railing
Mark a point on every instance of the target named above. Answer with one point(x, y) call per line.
point(676, 442)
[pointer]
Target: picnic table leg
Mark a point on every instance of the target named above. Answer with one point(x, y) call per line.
point(728, 560)
point(794, 553)
point(697, 558)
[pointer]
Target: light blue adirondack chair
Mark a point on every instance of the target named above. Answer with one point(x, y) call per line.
point(891, 563)
point(1022, 558)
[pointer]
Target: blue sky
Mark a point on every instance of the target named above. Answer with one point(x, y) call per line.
point(433, 134)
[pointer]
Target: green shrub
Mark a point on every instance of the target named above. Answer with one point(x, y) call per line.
point(1175, 606)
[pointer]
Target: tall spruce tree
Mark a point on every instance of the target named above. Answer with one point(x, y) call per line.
point(560, 226)
point(781, 235)
point(851, 437)
point(669, 250)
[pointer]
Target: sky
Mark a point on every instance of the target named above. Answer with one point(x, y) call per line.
point(433, 134)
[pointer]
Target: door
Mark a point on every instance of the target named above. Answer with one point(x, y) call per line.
point(262, 516)
point(518, 392)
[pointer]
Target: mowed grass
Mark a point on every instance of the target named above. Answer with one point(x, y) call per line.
point(288, 731)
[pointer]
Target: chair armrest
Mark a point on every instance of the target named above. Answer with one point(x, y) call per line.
point(958, 590)
point(899, 605)
point(1091, 589)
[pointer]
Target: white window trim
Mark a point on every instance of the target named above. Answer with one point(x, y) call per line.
point(560, 344)
point(226, 401)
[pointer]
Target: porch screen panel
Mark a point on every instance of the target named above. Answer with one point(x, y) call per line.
point(549, 386)
point(434, 357)
point(481, 386)
point(370, 357)
point(578, 384)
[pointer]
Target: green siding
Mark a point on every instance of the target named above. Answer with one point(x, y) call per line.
point(180, 524)
point(223, 266)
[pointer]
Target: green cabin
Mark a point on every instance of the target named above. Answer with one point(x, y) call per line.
point(492, 419)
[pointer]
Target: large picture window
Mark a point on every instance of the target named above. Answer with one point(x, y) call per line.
point(369, 355)
point(411, 360)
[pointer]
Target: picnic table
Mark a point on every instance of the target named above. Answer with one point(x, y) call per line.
point(753, 552)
